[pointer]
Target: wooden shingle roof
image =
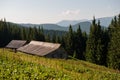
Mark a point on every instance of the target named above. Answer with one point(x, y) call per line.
point(16, 44)
point(39, 48)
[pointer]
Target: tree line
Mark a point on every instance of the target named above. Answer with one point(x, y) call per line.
point(101, 46)
point(10, 31)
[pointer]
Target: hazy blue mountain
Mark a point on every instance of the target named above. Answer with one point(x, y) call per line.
point(53, 27)
point(27, 25)
point(105, 21)
point(85, 26)
point(47, 26)
point(66, 23)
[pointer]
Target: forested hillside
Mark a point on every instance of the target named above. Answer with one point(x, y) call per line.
point(10, 31)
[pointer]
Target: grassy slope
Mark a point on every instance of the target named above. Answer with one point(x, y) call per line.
point(23, 66)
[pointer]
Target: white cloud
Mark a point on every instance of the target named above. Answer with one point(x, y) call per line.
point(71, 12)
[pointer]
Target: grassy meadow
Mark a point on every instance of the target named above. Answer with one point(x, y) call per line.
point(21, 66)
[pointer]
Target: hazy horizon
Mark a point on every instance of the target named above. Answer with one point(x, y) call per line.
point(53, 11)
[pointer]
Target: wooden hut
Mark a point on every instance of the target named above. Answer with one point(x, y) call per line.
point(45, 49)
point(15, 44)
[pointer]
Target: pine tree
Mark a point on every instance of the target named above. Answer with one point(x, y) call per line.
point(94, 47)
point(41, 34)
point(58, 40)
point(91, 44)
point(70, 41)
point(78, 44)
point(63, 44)
point(54, 38)
point(38, 34)
point(105, 41)
point(47, 38)
point(99, 55)
point(4, 33)
point(113, 60)
point(85, 37)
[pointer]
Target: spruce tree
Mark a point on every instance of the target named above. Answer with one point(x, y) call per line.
point(99, 55)
point(105, 41)
point(58, 40)
point(94, 47)
point(78, 44)
point(54, 38)
point(70, 41)
point(63, 43)
point(85, 37)
point(47, 38)
point(91, 43)
point(113, 59)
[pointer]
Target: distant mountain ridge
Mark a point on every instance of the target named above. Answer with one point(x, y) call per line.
point(46, 26)
point(105, 21)
point(85, 26)
point(64, 25)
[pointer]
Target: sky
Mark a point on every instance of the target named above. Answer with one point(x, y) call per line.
point(53, 11)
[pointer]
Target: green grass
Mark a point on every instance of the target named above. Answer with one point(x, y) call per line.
point(22, 66)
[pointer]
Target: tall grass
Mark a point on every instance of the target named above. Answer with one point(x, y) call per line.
point(23, 66)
